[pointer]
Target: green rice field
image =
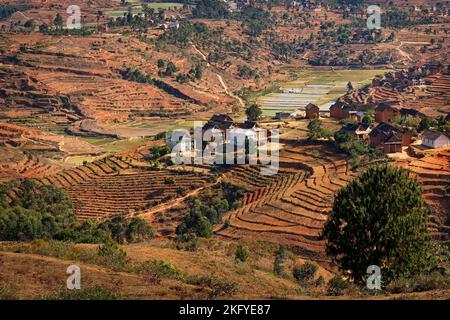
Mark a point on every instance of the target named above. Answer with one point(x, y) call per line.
point(321, 87)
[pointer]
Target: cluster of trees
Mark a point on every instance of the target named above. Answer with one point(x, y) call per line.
point(343, 57)
point(246, 72)
point(159, 151)
point(211, 9)
point(6, 10)
point(315, 130)
point(136, 75)
point(137, 21)
point(256, 19)
point(359, 150)
point(208, 209)
point(439, 123)
point(45, 212)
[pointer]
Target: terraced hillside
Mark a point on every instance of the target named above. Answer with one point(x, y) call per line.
point(26, 100)
point(292, 209)
point(432, 99)
point(88, 71)
point(433, 172)
point(112, 186)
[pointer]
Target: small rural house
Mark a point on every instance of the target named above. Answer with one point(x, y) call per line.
point(385, 113)
point(389, 138)
point(434, 139)
point(312, 111)
point(358, 130)
point(282, 115)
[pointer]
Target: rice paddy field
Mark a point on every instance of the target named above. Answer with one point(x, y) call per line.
point(320, 87)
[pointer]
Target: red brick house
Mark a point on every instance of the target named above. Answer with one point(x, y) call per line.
point(336, 110)
point(389, 138)
point(385, 113)
point(312, 111)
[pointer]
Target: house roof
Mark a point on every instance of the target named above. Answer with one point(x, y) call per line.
point(282, 115)
point(311, 106)
point(354, 127)
point(384, 106)
point(220, 118)
point(248, 125)
point(337, 104)
point(218, 125)
point(394, 138)
point(411, 112)
point(349, 109)
point(432, 135)
point(383, 128)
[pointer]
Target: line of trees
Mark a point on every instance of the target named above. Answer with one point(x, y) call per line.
point(46, 212)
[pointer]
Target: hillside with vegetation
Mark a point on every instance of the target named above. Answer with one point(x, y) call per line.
point(88, 177)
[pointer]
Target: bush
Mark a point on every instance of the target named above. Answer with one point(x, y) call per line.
point(337, 286)
point(169, 181)
point(93, 293)
point(222, 288)
point(160, 269)
point(113, 256)
point(425, 282)
point(305, 273)
point(218, 287)
point(242, 253)
point(280, 255)
point(320, 281)
point(7, 293)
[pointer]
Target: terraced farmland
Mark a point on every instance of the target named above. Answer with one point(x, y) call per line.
point(111, 186)
point(433, 172)
point(314, 86)
point(292, 209)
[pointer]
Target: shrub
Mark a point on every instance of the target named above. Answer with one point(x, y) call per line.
point(113, 256)
point(93, 293)
point(424, 282)
point(319, 281)
point(222, 288)
point(182, 78)
point(169, 181)
point(242, 253)
point(197, 223)
point(337, 286)
point(305, 273)
point(7, 293)
point(218, 286)
point(159, 268)
point(280, 255)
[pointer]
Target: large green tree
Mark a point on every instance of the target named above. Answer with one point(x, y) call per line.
point(380, 219)
point(253, 112)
